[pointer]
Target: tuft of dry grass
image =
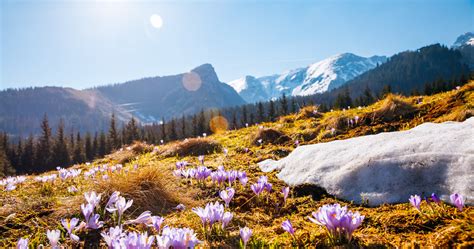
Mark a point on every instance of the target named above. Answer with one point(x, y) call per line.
point(393, 107)
point(309, 112)
point(270, 136)
point(151, 188)
point(193, 147)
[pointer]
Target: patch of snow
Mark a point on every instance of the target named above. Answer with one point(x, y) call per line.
point(387, 167)
point(465, 39)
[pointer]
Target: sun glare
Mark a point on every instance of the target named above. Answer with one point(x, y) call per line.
point(156, 21)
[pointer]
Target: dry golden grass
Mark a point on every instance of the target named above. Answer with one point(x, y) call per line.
point(270, 136)
point(309, 112)
point(192, 147)
point(393, 107)
point(34, 207)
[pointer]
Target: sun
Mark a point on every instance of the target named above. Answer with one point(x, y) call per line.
point(156, 21)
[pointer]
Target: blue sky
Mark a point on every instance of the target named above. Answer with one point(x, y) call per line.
point(87, 43)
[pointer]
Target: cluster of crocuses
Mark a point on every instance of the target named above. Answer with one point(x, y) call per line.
point(339, 221)
point(261, 185)
point(213, 213)
point(179, 238)
point(46, 178)
point(456, 199)
point(10, 183)
point(219, 177)
point(116, 237)
point(68, 173)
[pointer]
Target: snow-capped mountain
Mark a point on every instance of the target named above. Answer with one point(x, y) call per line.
point(319, 77)
point(465, 39)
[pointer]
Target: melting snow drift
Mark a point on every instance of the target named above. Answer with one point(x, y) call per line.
point(387, 167)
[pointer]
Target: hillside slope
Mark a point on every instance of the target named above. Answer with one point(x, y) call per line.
point(21, 111)
point(152, 99)
point(146, 174)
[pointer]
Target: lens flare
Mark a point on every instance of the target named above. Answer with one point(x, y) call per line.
point(191, 81)
point(218, 124)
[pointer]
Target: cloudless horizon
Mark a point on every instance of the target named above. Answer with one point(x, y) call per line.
point(82, 44)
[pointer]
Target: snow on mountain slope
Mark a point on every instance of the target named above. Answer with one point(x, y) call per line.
point(430, 158)
point(465, 39)
point(319, 77)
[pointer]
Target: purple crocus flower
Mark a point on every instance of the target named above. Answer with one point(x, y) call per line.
point(70, 225)
point(138, 240)
point(22, 244)
point(92, 198)
point(120, 206)
point(201, 173)
point(180, 238)
point(93, 222)
point(143, 218)
point(243, 181)
point(415, 201)
point(201, 159)
point(457, 200)
point(257, 188)
point(287, 226)
point(227, 195)
point(181, 165)
point(113, 199)
point(245, 234)
point(163, 242)
point(226, 218)
point(435, 198)
point(285, 191)
point(113, 236)
point(232, 175)
point(338, 220)
point(180, 207)
point(53, 237)
point(156, 222)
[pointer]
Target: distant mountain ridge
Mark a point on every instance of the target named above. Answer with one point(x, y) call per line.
point(148, 99)
point(319, 77)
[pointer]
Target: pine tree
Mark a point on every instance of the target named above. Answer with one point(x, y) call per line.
point(27, 159)
point(271, 111)
point(60, 150)
point(386, 90)
point(234, 120)
point(88, 147)
point(19, 154)
point(343, 100)
point(5, 166)
point(244, 115)
point(260, 112)
point(163, 130)
point(201, 123)
point(284, 104)
point(103, 147)
point(43, 152)
point(131, 131)
point(95, 146)
point(114, 142)
point(72, 143)
point(294, 106)
point(172, 127)
point(195, 125)
point(79, 156)
point(183, 127)
point(367, 98)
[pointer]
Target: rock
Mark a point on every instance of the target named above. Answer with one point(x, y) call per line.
point(387, 167)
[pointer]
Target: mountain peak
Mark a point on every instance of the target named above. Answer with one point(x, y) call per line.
point(464, 39)
point(206, 72)
point(318, 77)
